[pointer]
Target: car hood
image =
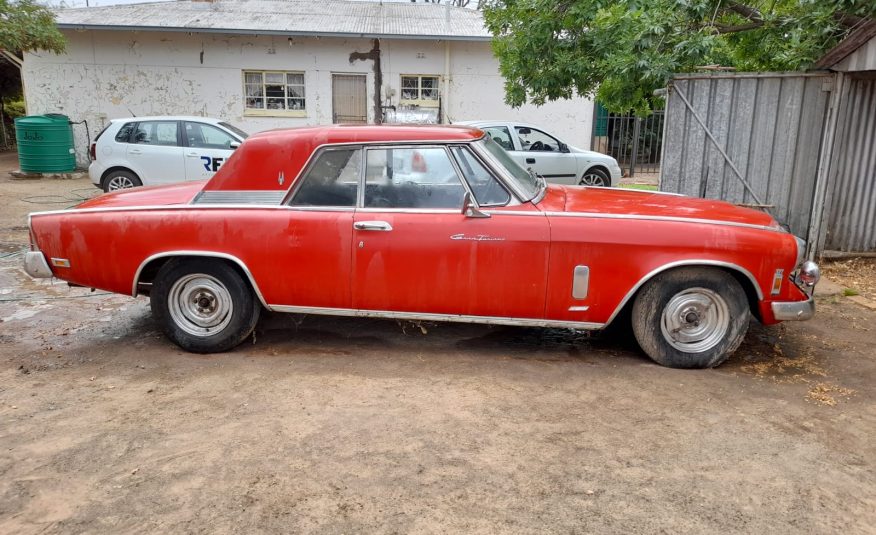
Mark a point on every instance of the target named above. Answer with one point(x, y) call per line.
point(648, 204)
point(180, 193)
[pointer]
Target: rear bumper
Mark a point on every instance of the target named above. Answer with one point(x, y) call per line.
point(36, 266)
point(793, 310)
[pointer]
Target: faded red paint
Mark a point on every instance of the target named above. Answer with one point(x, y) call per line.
point(507, 265)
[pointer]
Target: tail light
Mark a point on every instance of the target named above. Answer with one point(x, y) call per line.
point(418, 163)
point(93, 151)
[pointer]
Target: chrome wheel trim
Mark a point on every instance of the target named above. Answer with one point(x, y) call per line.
point(200, 305)
point(695, 320)
point(592, 179)
point(119, 182)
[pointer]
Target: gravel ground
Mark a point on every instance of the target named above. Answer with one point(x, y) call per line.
point(342, 425)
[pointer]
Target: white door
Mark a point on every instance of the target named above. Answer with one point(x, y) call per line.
point(544, 154)
point(206, 149)
point(155, 153)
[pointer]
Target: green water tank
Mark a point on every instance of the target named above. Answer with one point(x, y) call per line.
point(45, 143)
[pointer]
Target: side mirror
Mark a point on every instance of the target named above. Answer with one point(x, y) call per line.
point(233, 146)
point(470, 208)
point(525, 131)
point(564, 147)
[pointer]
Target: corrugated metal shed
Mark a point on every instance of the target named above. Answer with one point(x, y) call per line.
point(286, 17)
point(770, 127)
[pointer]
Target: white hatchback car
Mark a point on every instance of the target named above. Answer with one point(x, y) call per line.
point(550, 157)
point(158, 150)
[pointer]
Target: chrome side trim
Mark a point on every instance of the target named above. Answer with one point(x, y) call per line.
point(423, 316)
point(579, 309)
point(36, 266)
point(239, 197)
point(679, 263)
point(794, 310)
point(209, 254)
point(674, 219)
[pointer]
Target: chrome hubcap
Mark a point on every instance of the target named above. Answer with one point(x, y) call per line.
point(200, 305)
point(591, 179)
point(695, 320)
point(119, 182)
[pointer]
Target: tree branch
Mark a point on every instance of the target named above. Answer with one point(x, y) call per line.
point(748, 12)
point(726, 28)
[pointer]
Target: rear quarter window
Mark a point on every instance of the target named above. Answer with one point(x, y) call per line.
point(124, 133)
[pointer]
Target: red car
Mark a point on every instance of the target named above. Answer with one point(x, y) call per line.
point(427, 223)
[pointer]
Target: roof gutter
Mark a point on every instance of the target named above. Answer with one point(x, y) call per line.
point(238, 31)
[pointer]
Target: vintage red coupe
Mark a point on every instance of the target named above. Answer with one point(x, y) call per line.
point(427, 223)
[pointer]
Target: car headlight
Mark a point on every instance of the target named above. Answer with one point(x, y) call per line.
point(809, 274)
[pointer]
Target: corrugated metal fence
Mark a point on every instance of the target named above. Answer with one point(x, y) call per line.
point(852, 194)
point(758, 144)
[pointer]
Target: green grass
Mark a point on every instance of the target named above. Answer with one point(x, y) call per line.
point(849, 292)
point(646, 187)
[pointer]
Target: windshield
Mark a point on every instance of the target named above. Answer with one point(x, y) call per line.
point(238, 131)
point(528, 183)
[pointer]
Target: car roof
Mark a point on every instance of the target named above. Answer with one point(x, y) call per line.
point(256, 164)
point(500, 123)
point(193, 118)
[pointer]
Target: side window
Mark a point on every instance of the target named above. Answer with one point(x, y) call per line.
point(411, 177)
point(205, 136)
point(124, 135)
point(332, 179)
point(487, 190)
point(156, 133)
point(500, 135)
point(536, 140)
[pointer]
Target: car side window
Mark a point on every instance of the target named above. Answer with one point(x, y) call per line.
point(411, 177)
point(124, 133)
point(156, 133)
point(205, 136)
point(486, 188)
point(536, 140)
point(332, 179)
point(501, 135)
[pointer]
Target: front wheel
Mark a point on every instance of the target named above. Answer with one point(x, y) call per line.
point(120, 179)
point(595, 177)
point(691, 318)
point(203, 305)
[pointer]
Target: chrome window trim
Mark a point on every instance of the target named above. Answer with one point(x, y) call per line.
point(409, 210)
point(208, 254)
point(512, 200)
point(424, 316)
point(500, 171)
point(673, 219)
point(680, 263)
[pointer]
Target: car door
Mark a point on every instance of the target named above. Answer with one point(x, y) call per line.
point(206, 149)
point(415, 252)
point(155, 151)
point(545, 154)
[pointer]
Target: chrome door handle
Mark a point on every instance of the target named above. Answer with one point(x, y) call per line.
point(381, 226)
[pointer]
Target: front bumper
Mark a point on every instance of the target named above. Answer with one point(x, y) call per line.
point(794, 310)
point(36, 266)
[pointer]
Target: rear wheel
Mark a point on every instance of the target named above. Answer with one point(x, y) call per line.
point(691, 318)
point(120, 179)
point(595, 177)
point(203, 305)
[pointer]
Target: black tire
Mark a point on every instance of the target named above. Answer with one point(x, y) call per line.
point(120, 179)
point(595, 177)
point(214, 293)
point(691, 317)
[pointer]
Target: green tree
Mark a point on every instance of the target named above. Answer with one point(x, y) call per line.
point(622, 50)
point(27, 25)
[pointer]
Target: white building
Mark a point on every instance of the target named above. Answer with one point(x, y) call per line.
point(262, 64)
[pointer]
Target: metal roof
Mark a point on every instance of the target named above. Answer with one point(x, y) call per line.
point(335, 18)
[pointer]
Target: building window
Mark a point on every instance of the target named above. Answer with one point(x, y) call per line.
point(274, 93)
point(420, 90)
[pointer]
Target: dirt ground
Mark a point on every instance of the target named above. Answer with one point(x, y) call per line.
point(339, 425)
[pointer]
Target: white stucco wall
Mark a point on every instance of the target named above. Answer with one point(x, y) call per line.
point(111, 74)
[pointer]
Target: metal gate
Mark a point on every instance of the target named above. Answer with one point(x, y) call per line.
point(635, 142)
point(349, 99)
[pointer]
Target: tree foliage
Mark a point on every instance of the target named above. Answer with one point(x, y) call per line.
point(622, 50)
point(27, 25)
